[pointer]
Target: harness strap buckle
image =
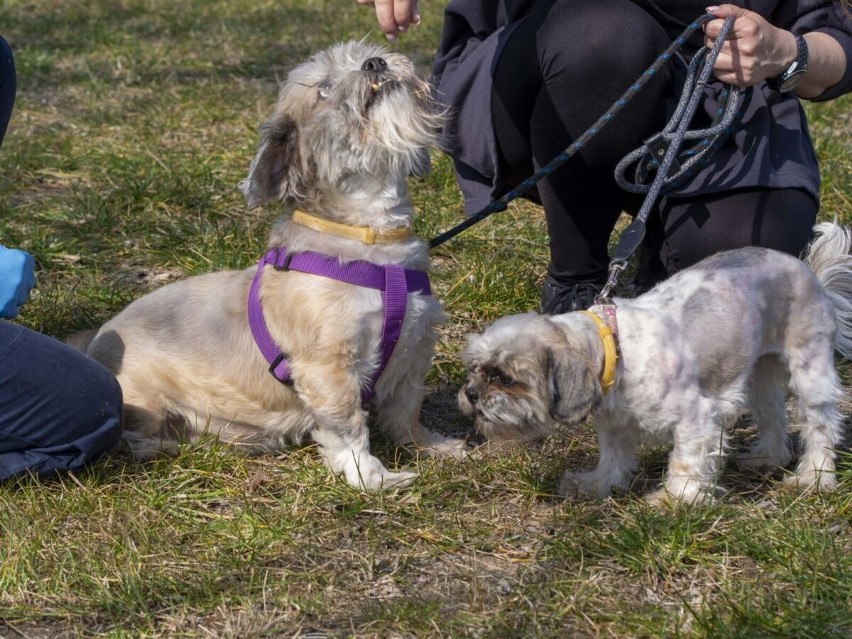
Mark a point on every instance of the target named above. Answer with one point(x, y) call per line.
point(283, 265)
point(282, 357)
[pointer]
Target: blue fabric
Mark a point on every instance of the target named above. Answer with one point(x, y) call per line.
point(59, 408)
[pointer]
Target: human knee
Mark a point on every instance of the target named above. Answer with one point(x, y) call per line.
point(607, 39)
point(103, 394)
point(698, 227)
point(88, 405)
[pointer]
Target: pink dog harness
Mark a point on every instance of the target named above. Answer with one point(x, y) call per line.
point(394, 281)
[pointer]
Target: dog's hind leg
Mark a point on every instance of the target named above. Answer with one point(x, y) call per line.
point(768, 388)
point(815, 382)
point(146, 430)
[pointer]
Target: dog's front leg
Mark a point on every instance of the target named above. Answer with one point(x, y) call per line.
point(332, 394)
point(699, 443)
point(347, 452)
point(399, 418)
point(617, 442)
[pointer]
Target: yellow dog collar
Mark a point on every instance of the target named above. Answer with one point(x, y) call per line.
point(365, 234)
point(610, 351)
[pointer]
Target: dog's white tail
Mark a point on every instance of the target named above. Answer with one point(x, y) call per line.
point(829, 257)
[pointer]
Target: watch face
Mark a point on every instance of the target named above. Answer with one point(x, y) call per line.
point(790, 83)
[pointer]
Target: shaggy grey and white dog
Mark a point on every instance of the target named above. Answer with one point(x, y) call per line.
point(350, 125)
point(730, 333)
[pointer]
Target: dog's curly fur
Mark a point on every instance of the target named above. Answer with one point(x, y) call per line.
point(344, 136)
point(730, 333)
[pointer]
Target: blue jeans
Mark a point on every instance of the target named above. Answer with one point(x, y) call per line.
point(59, 408)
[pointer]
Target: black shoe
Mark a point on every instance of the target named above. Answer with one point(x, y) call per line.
point(558, 297)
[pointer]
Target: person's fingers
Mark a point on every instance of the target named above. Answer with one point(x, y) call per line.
point(713, 27)
point(725, 10)
point(403, 12)
point(386, 18)
point(394, 16)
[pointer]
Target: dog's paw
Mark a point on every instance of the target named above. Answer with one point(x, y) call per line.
point(583, 486)
point(660, 499)
point(371, 475)
point(443, 446)
point(388, 481)
point(689, 494)
point(811, 479)
point(149, 448)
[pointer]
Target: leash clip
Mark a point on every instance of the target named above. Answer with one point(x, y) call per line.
point(615, 269)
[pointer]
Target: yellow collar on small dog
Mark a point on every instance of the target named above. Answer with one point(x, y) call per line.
point(610, 351)
point(365, 234)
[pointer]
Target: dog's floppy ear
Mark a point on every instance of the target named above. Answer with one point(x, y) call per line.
point(573, 389)
point(275, 171)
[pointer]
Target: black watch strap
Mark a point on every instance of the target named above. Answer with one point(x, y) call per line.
point(790, 77)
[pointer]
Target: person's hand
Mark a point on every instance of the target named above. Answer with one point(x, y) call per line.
point(394, 16)
point(754, 49)
point(17, 277)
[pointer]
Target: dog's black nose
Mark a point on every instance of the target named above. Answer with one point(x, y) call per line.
point(374, 64)
point(471, 394)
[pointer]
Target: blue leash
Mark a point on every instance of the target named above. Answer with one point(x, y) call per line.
point(662, 149)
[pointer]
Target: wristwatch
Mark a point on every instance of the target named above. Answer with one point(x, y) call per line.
point(790, 77)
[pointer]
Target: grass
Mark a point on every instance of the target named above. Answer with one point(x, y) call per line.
point(134, 122)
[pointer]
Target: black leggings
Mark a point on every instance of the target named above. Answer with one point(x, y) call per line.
point(560, 70)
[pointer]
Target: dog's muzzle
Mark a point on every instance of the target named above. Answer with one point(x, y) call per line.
point(377, 69)
point(472, 395)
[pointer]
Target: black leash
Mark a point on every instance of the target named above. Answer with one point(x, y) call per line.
point(668, 142)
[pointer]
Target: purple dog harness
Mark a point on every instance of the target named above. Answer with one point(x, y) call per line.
point(394, 281)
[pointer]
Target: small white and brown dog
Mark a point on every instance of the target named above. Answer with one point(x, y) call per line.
point(339, 309)
point(728, 334)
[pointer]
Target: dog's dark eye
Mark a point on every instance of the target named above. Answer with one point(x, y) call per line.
point(501, 378)
point(324, 89)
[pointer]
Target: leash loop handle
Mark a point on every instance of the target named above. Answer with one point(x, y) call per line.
point(502, 203)
point(635, 232)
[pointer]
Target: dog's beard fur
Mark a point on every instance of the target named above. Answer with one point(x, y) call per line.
point(724, 336)
point(338, 131)
point(340, 144)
